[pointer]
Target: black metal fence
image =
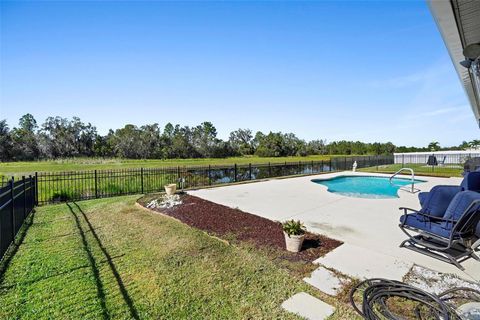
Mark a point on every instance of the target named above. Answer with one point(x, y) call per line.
point(82, 185)
point(17, 199)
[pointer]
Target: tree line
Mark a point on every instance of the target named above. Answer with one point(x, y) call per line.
point(59, 137)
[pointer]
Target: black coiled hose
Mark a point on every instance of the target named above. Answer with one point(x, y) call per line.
point(375, 299)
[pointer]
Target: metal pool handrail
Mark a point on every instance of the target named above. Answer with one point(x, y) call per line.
point(412, 176)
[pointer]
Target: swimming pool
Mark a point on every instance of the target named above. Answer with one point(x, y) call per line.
point(365, 186)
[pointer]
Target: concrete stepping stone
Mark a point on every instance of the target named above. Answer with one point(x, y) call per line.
point(308, 307)
point(326, 281)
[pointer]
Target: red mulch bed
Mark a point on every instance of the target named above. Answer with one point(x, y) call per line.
point(226, 222)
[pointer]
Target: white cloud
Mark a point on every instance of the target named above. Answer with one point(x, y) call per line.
point(422, 77)
point(440, 111)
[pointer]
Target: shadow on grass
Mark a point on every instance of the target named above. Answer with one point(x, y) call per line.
point(13, 248)
point(92, 264)
point(109, 261)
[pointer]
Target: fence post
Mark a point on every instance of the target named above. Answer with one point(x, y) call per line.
point(24, 198)
point(36, 188)
point(312, 167)
point(433, 162)
point(12, 210)
point(96, 187)
point(269, 170)
point(250, 171)
point(32, 189)
point(235, 172)
point(330, 164)
point(403, 160)
point(345, 163)
point(209, 175)
point(299, 167)
point(376, 161)
point(141, 178)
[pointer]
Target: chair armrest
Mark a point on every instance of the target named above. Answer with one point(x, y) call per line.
point(433, 217)
point(405, 210)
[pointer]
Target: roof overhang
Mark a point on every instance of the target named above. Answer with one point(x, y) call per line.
point(459, 25)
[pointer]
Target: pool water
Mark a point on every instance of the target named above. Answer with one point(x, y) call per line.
point(366, 186)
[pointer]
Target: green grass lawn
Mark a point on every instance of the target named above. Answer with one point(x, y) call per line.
point(110, 259)
point(421, 169)
point(8, 169)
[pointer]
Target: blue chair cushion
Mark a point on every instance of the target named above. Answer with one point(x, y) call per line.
point(460, 203)
point(436, 202)
point(422, 196)
point(471, 181)
point(417, 221)
point(464, 183)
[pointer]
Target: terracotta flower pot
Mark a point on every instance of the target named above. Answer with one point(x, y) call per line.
point(170, 189)
point(294, 242)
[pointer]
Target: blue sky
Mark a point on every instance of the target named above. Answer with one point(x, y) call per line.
point(369, 71)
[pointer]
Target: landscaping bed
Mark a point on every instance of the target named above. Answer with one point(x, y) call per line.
point(235, 225)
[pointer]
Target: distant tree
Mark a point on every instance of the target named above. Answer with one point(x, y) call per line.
point(166, 141)
point(270, 145)
point(182, 143)
point(241, 142)
point(463, 146)
point(102, 147)
point(5, 141)
point(150, 141)
point(293, 146)
point(60, 137)
point(389, 148)
point(25, 144)
point(316, 147)
point(259, 136)
point(127, 142)
point(474, 144)
point(205, 139)
point(434, 146)
point(84, 137)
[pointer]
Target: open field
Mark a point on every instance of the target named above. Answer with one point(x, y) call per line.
point(8, 169)
point(421, 169)
point(107, 258)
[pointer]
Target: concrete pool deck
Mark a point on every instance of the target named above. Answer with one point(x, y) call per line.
point(368, 227)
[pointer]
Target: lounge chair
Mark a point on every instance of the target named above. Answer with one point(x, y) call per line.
point(453, 237)
point(442, 162)
point(471, 182)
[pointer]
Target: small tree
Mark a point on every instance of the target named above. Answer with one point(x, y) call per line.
point(434, 146)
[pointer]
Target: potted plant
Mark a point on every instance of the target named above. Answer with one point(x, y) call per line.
point(171, 188)
point(294, 232)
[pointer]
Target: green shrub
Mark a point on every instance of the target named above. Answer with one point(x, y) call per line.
point(293, 228)
point(62, 196)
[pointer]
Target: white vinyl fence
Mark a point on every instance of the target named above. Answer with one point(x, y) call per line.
point(450, 158)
